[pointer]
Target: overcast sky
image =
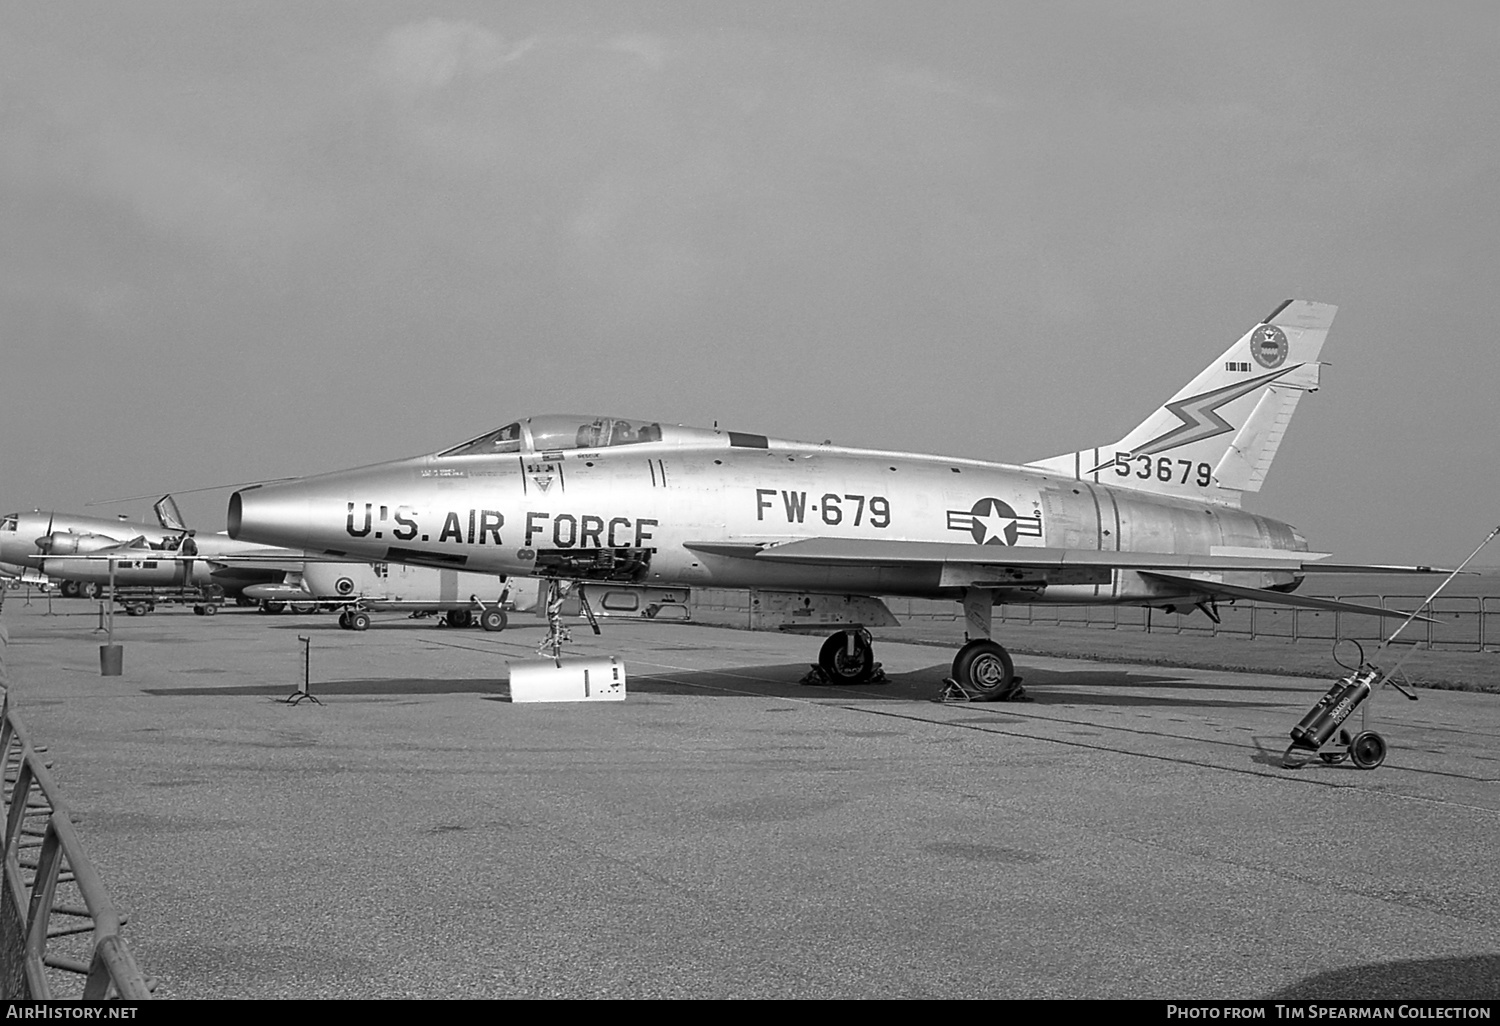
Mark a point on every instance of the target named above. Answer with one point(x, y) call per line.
point(252, 240)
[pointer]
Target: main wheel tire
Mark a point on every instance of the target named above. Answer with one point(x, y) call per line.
point(984, 669)
point(359, 621)
point(492, 620)
point(344, 620)
point(1367, 750)
point(272, 607)
point(88, 590)
point(834, 659)
point(459, 618)
point(69, 589)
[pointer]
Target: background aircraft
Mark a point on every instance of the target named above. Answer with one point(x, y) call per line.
point(383, 587)
point(1153, 519)
point(78, 551)
point(26, 539)
point(183, 560)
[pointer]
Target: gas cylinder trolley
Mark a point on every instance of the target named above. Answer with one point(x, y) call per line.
point(1366, 749)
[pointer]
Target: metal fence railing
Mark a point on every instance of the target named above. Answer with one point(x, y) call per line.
point(59, 932)
point(1464, 623)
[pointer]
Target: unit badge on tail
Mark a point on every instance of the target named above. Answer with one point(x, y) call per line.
point(991, 521)
point(1268, 346)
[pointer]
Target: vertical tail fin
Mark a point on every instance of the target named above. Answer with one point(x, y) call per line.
point(1216, 437)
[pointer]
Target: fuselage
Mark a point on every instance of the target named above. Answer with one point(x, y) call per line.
point(26, 539)
point(217, 559)
point(632, 511)
point(396, 586)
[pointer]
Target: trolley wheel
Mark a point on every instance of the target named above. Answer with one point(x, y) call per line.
point(210, 610)
point(492, 620)
point(1367, 750)
point(1333, 758)
point(359, 621)
point(200, 610)
point(138, 609)
point(985, 669)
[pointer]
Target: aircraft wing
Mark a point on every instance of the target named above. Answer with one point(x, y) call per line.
point(290, 563)
point(289, 560)
point(855, 551)
point(969, 566)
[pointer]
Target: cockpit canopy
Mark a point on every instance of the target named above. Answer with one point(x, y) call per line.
point(9, 521)
point(558, 431)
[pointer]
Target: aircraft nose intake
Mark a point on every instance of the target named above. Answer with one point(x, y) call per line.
point(270, 514)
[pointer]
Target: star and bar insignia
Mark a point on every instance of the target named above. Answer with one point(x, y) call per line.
point(992, 521)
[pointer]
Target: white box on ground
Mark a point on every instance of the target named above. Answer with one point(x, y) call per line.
point(576, 680)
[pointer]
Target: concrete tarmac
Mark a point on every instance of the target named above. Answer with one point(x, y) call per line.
point(727, 832)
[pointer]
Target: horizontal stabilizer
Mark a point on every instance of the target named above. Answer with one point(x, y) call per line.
point(1215, 590)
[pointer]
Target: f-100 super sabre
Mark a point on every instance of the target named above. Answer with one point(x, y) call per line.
point(1154, 519)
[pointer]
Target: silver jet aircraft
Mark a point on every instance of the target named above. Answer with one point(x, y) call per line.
point(1153, 519)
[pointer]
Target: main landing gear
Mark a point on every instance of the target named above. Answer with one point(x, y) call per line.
point(848, 657)
point(982, 670)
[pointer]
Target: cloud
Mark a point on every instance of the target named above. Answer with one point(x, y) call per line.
point(431, 55)
point(652, 50)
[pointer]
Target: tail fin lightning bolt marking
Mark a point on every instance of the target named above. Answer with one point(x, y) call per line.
point(1199, 416)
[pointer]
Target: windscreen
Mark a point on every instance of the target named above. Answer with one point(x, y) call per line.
point(506, 439)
